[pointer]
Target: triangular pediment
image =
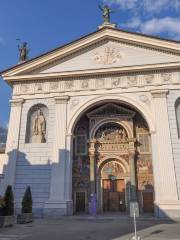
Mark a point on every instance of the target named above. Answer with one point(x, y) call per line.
point(100, 51)
point(108, 54)
point(111, 110)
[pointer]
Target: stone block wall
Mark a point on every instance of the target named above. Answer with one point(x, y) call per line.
point(33, 167)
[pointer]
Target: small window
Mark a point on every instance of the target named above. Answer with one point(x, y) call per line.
point(144, 146)
point(81, 145)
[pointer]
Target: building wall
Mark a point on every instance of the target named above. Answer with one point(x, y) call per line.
point(34, 163)
point(171, 99)
point(3, 160)
point(33, 166)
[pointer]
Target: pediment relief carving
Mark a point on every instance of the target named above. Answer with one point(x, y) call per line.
point(111, 110)
point(107, 56)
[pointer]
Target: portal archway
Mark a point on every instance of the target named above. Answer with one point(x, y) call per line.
point(114, 134)
point(98, 100)
point(112, 182)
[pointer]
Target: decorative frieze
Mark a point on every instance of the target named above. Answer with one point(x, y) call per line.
point(166, 77)
point(100, 83)
point(85, 84)
point(132, 81)
point(24, 88)
point(81, 84)
point(54, 85)
point(38, 87)
point(149, 79)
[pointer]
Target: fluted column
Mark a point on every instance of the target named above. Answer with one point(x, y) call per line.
point(58, 195)
point(12, 145)
point(165, 180)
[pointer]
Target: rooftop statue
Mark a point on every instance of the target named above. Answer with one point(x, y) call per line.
point(23, 52)
point(106, 13)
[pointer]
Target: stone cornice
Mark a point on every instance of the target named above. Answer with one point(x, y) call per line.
point(108, 71)
point(160, 93)
point(62, 99)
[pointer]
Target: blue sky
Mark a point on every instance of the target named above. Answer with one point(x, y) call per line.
point(46, 24)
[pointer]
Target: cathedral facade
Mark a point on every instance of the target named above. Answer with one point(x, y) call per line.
point(95, 126)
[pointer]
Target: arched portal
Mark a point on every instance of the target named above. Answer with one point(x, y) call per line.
point(112, 160)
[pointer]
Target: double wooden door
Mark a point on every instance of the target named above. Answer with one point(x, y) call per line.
point(148, 202)
point(80, 202)
point(114, 195)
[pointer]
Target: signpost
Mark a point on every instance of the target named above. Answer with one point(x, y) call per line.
point(135, 210)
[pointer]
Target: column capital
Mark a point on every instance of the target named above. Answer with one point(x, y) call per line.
point(16, 102)
point(132, 153)
point(159, 93)
point(62, 99)
point(69, 135)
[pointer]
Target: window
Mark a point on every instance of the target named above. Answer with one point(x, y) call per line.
point(81, 145)
point(143, 139)
point(177, 108)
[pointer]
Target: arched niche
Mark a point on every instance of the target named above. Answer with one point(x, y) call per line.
point(32, 129)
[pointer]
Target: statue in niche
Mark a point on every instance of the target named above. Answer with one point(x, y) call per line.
point(39, 128)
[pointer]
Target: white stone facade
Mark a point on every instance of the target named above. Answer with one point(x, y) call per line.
point(76, 77)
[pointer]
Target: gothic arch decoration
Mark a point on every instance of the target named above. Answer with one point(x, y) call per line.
point(36, 127)
point(124, 165)
point(122, 124)
point(177, 110)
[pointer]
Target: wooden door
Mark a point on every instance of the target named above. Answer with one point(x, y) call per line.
point(121, 190)
point(80, 202)
point(148, 202)
point(114, 201)
point(114, 195)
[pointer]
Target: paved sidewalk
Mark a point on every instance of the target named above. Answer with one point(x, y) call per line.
point(88, 228)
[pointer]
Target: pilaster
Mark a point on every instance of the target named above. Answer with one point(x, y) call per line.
point(12, 145)
point(57, 203)
point(164, 173)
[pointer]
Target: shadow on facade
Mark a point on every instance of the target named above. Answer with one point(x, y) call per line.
point(38, 177)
